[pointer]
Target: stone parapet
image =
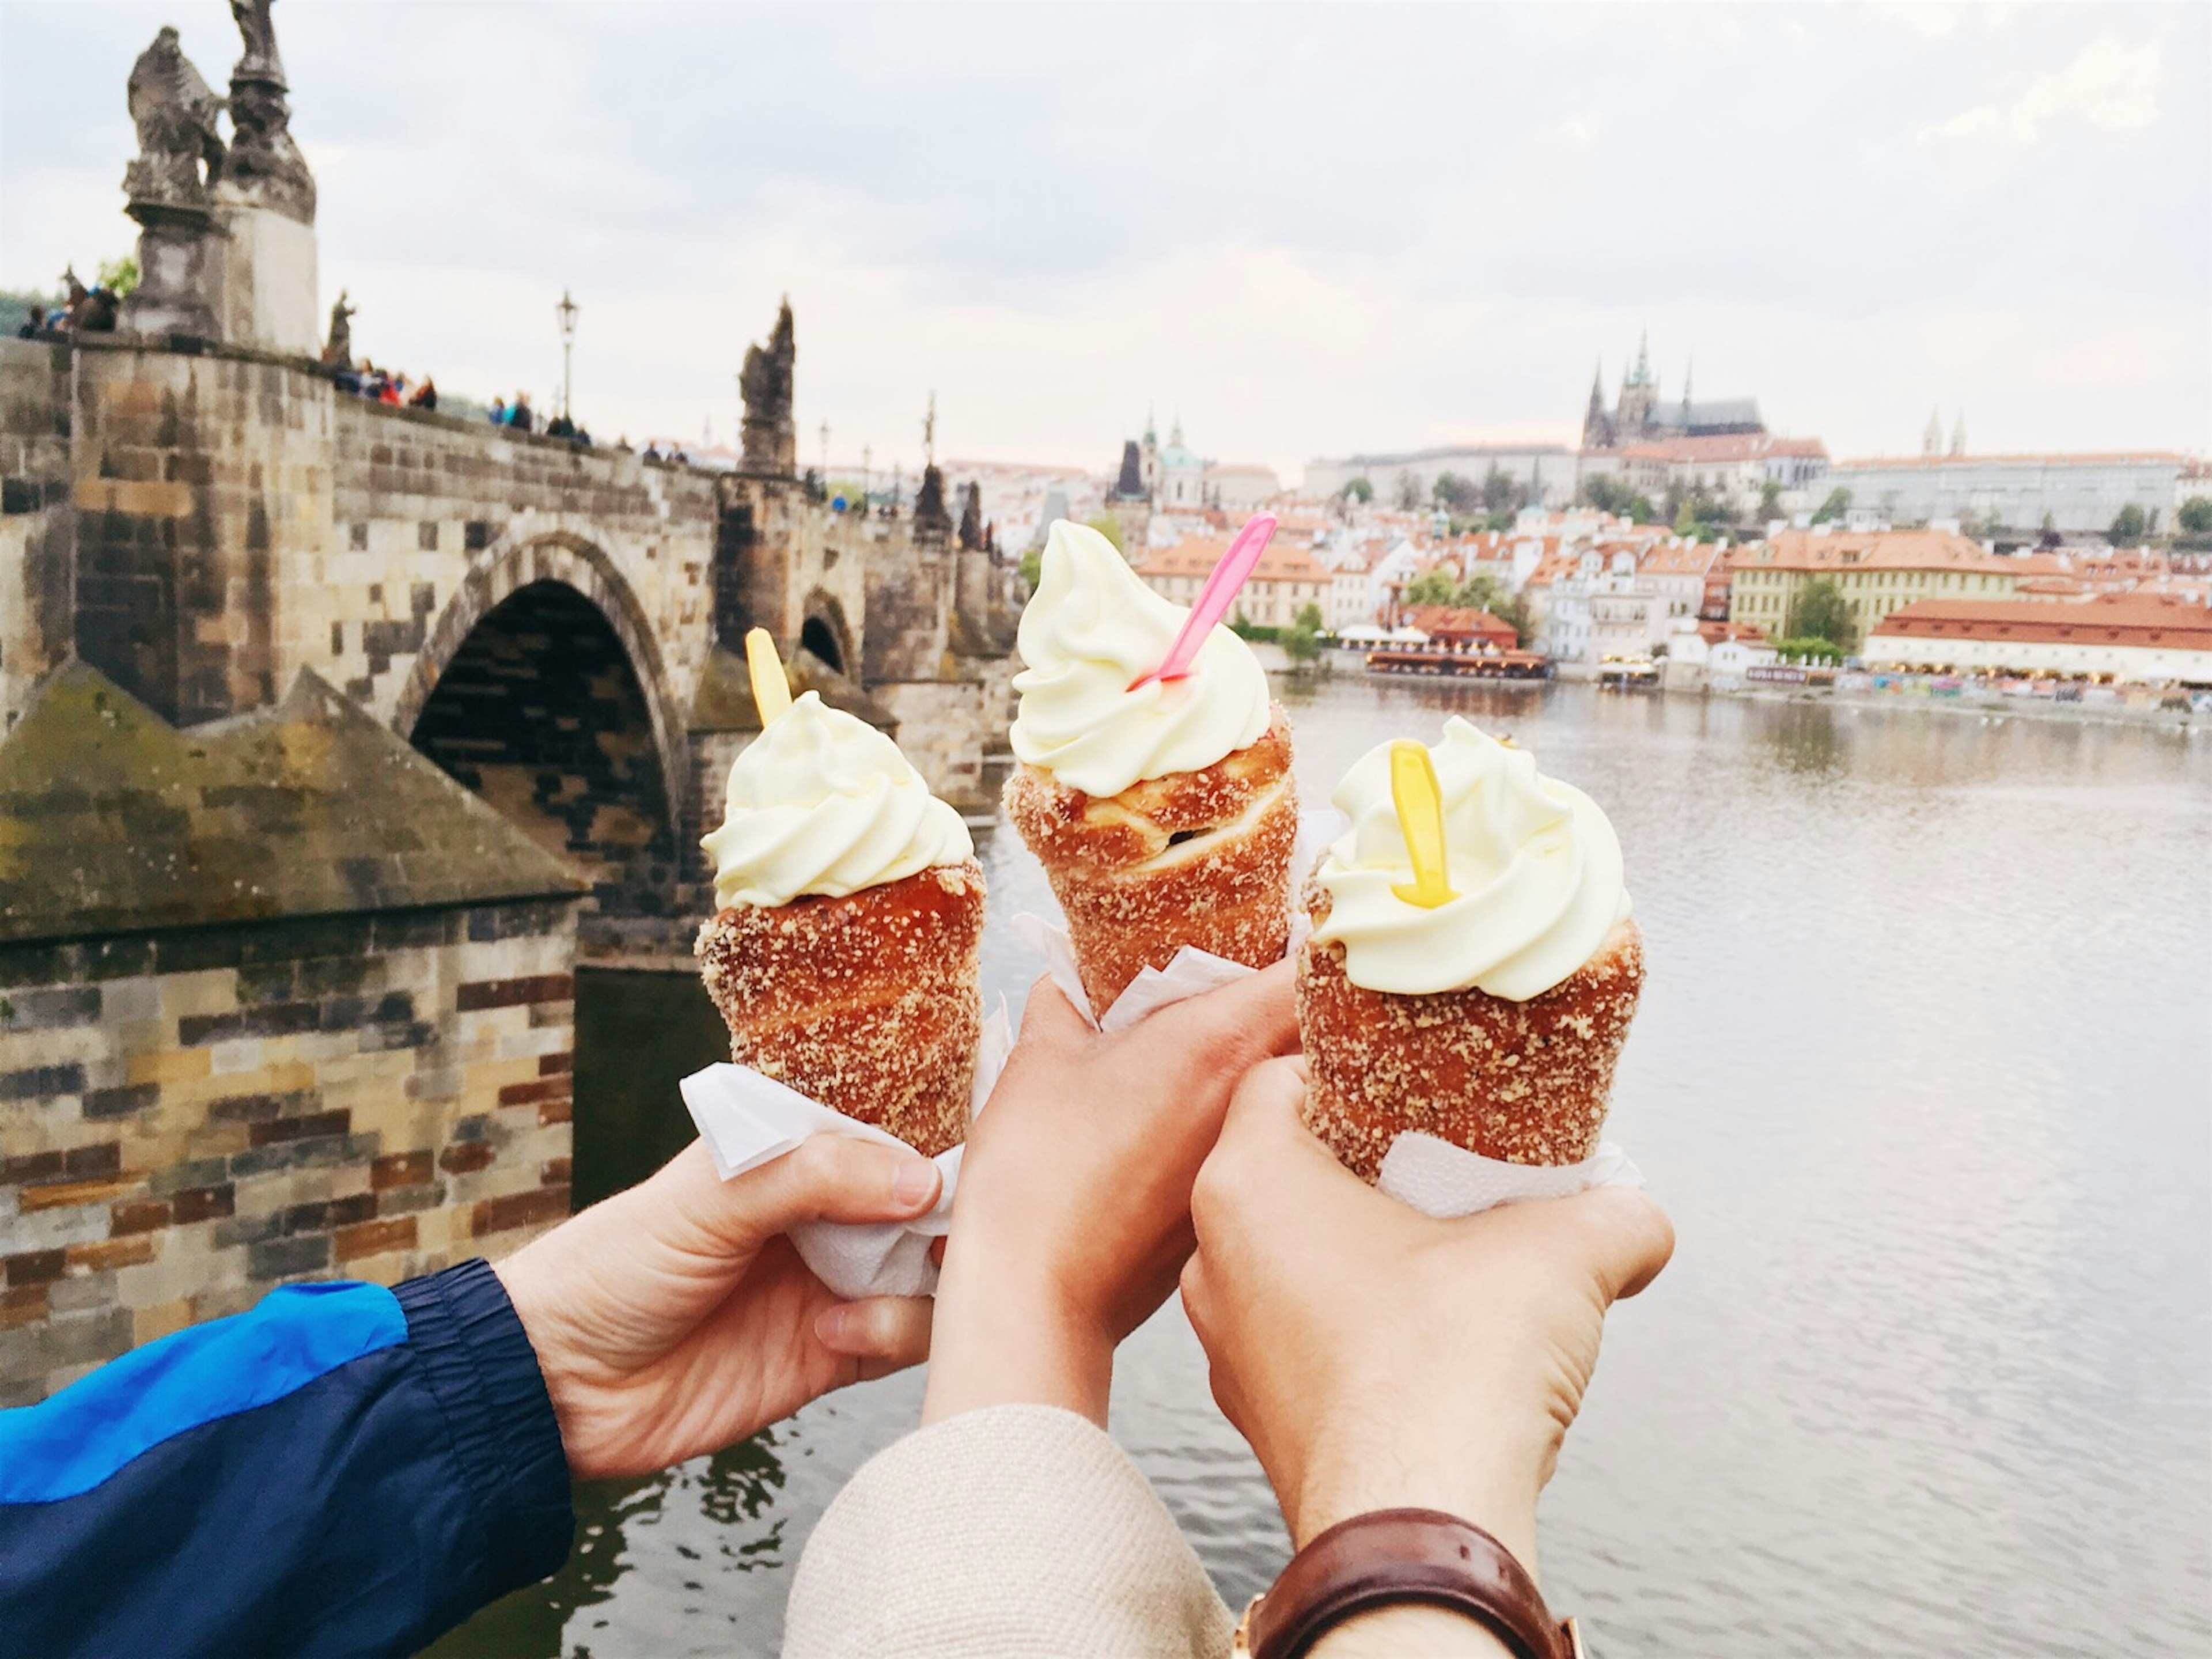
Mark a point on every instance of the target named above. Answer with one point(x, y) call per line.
point(196, 1116)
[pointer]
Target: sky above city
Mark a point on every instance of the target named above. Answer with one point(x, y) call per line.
point(1308, 230)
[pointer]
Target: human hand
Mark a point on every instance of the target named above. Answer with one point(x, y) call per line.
point(675, 1318)
point(1376, 1359)
point(1073, 1214)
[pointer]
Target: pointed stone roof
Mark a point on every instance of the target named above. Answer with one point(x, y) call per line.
point(723, 701)
point(113, 821)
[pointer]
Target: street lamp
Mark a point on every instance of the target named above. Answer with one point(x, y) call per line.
point(566, 311)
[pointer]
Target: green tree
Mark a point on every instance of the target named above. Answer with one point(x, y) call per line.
point(1811, 649)
point(1033, 568)
point(1456, 495)
point(1820, 611)
point(1769, 500)
point(2196, 515)
point(2128, 526)
point(1409, 492)
point(1502, 492)
point(1837, 504)
point(1429, 587)
point(1110, 527)
point(119, 277)
point(1359, 490)
point(1303, 643)
point(1606, 493)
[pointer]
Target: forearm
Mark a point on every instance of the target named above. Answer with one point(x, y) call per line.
point(1410, 1632)
point(1004, 1336)
point(238, 1487)
point(1012, 1531)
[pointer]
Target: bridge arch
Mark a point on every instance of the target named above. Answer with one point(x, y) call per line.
point(824, 631)
point(542, 689)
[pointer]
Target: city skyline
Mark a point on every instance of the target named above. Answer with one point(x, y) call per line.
point(1311, 233)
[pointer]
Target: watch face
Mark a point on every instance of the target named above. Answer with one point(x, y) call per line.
point(1241, 1648)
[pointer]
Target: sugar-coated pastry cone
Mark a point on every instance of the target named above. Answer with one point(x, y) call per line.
point(868, 1003)
point(1521, 1082)
point(1192, 858)
point(844, 950)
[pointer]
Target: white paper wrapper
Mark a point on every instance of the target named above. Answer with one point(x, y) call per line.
point(1444, 1181)
point(747, 1119)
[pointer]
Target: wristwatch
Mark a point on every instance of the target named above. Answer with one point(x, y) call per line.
point(1387, 1557)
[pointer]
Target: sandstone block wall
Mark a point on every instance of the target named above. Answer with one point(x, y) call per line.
point(938, 724)
point(420, 499)
point(38, 525)
point(188, 1119)
point(199, 483)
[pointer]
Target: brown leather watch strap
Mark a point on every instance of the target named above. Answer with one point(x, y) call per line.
point(1393, 1556)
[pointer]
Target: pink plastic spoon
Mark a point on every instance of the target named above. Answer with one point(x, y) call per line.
point(1214, 598)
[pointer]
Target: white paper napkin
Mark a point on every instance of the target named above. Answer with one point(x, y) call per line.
point(747, 1119)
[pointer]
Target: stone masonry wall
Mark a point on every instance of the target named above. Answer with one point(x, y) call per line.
point(420, 499)
point(938, 725)
point(37, 524)
point(201, 486)
point(190, 1118)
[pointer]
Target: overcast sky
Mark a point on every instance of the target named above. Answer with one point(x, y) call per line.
point(1311, 230)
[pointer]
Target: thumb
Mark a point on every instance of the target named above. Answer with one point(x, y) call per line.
point(1250, 1019)
point(1620, 1233)
point(1267, 1157)
point(827, 1177)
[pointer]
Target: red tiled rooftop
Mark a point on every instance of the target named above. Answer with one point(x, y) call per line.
point(2156, 620)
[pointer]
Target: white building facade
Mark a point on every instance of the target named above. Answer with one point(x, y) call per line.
point(2073, 492)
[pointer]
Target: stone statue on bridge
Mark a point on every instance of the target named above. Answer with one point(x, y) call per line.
point(337, 351)
point(265, 167)
point(174, 111)
point(259, 30)
point(771, 443)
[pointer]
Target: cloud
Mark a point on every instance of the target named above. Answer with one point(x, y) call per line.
point(2109, 84)
point(1317, 228)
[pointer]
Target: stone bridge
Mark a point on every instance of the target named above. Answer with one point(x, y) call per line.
point(337, 734)
point(556, 626)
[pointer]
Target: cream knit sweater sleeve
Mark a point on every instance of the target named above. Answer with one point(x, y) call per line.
point(1020, 1531)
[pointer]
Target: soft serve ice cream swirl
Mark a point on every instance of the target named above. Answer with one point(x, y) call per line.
point(1535, 866)
point(1091, 629)
point(824, 803)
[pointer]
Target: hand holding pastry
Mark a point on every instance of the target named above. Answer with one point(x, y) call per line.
point(1073, 1214)
point(672, 1319)
point(1474, 967)
point(1164, 811)
point(843, 952)
point(1377, 1358)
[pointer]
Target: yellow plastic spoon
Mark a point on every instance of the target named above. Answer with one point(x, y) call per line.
point(771, 690)
point(1421, 820)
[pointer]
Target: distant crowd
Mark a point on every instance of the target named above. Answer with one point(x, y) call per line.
point(380, 387)
point(522, 418)
point(87, 311)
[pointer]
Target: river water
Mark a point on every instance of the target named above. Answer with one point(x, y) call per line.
point(1923, 1072)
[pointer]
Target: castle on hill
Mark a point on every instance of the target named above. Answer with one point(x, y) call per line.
point(1641, 416)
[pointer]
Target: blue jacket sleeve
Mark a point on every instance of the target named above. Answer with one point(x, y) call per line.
point(343, 1469)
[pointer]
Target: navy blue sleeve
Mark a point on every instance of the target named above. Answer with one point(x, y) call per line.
point(343, 1469)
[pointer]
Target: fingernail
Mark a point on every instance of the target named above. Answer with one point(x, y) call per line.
point(915, 1184)
point(832, 1326)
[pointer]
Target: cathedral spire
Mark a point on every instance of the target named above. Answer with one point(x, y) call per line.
point(1958, 434)
point(1931, 441)
point(1597, 425)
point(1644, 358)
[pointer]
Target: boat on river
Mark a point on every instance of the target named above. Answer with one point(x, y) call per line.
point(1461, 665)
